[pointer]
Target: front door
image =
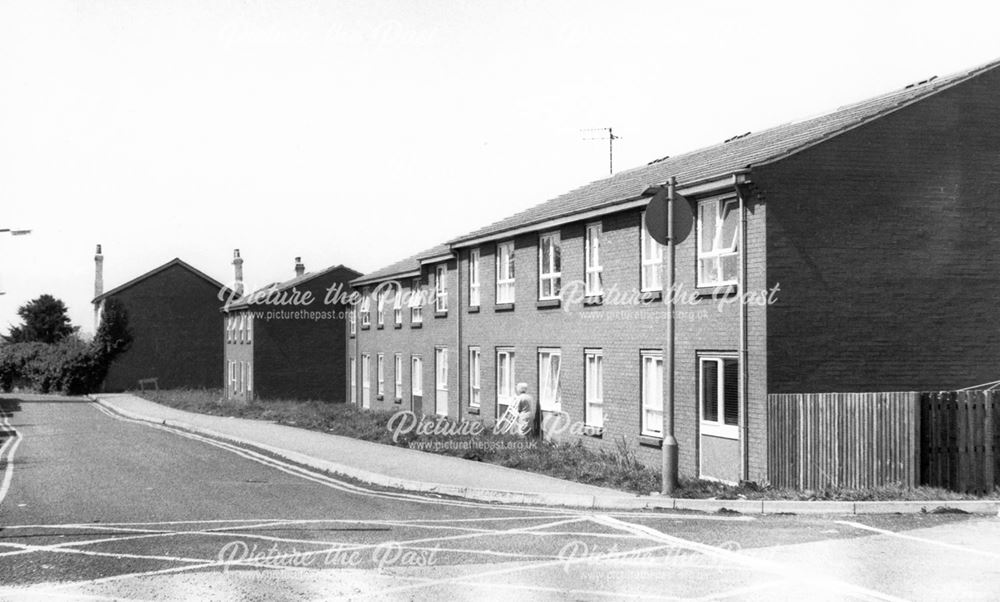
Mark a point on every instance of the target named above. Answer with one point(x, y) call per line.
point(719, 409)
point(441, 382)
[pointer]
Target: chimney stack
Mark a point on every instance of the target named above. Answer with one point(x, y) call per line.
point(299, 267)
point(238, 269)
point(98, 273)
point(98, 285)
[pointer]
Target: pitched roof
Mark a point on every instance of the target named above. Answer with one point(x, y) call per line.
point(720, 160)
point(278, 287)
point(173, 262)
point(405, 266)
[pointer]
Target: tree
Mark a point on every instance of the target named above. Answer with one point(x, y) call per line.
point(113, 335)
point(45, 320)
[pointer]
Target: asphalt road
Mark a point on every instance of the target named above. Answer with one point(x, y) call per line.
point(97, 507)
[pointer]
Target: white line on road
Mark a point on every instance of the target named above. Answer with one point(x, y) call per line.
point(9, 470)
point(925, 540)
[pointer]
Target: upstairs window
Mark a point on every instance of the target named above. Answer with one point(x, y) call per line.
point(366, 316)
point(416, 303)
point(505, 272)
point(380, 307)
point(594, 284)
point(718, 236)
point(441, 289)
point(549, 266)
point(474, 278)
point(652, 259)
point(397, 308)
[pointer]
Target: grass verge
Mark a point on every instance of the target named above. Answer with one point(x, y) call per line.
point(619, 469)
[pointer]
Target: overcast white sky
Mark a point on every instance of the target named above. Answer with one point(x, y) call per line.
point(361, 132)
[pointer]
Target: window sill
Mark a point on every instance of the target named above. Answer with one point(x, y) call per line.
point(593, 300)
point(398, 400)
point(473, 410)
point(548, 303)
point(597, 432)
point(651, 296)
point(364, 327)
point(715, 292)
point(353, 336)
point(722, 431)
point(380, 327)
point(398, 325)
point(416, 325)
point(473, 309)
point(441, 314)
point(650, 441)
point(504, 307)
point(379, 397)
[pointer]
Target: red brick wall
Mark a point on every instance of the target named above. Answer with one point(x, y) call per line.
point(174, 318)
point(298, 350)
point(886, 244)
point(622, 332)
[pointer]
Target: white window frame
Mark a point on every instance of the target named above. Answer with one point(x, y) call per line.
point(717, 252)
point(593, 387)
point(651, 253)
point(441, 289)
point(505, 274)
point(416, 376)
point(651, 385)
point(718, 427)
point(397, 308)
point(397, 369)
point(232, 377)
point(380, 374)
point(475, 377)
point(366, 309)
point(474, 288)
point(593, 270)
point(441, 379)
point(249, 377)
point(380, 307)
point(549, 394)
point(366, 380)
point(505, 390)
point(549, 273)
point(249, 327)
point(416, 303)
point(352, 318)
point(354, 380)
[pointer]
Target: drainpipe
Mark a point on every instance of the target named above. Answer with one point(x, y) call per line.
point(744, 371)
point(458, 330)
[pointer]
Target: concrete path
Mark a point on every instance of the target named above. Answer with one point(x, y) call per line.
point(385, 465)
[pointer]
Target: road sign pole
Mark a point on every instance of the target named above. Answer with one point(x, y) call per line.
point(669, 441)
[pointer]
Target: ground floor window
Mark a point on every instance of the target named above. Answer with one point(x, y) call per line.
point(380, 369)
point(505, 380)
point(366, 380)
point(549, 393)
point(652, 394)
point(416, 376)
point(719, 385)
point(354, 380)
point(474, 374)
point(397, 371)
point(593, 377)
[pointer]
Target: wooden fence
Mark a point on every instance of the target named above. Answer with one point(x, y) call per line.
point(959, 441)
point(853, 440)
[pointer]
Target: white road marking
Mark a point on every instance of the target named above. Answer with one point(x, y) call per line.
point(933, 542)
point(9, 470)
point(797, 574)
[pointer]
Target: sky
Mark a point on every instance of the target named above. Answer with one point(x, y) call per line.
point(361, 132)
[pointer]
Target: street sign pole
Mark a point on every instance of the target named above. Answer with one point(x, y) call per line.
point(669, 441)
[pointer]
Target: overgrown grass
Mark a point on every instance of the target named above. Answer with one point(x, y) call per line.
point(618, 469)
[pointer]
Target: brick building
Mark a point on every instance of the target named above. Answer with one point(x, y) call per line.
point(173, 314)
point(286, 339)
point(872, 230)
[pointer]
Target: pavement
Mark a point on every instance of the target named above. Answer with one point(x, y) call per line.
point(417, 471)
point(99, 506)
